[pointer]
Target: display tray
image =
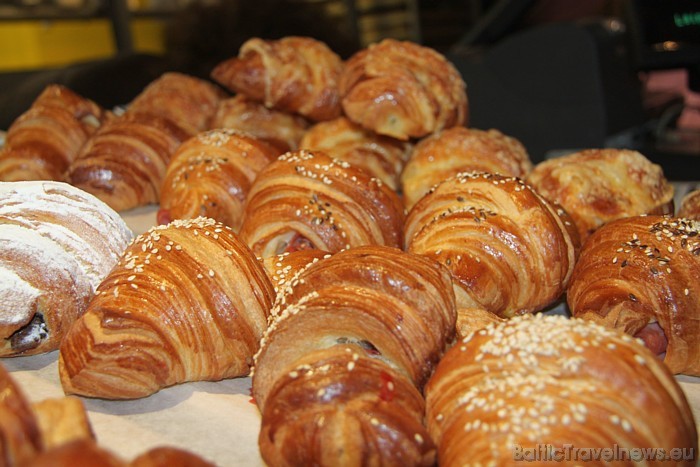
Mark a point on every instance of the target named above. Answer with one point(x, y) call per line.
point(216, 420)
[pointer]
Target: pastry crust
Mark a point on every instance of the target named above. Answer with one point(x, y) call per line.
point(20, 436)
point(641, 275)
point(690, 206)
point(62, 420)
point(402, 89)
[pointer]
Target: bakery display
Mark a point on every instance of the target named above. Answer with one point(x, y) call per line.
point(599, 185)
point(294, 74)
point(641, 275)
point(441, 155)
point(187, 302)
point(210, 174)
point(57, 243)
point(351, 342)
point(509, 250)
point(403, 90)
point(307, 199)
point(690, 205)
point(505, 391)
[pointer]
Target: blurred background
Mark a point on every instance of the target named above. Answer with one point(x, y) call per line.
point(560, 75)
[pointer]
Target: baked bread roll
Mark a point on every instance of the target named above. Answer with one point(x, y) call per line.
point(284, 130)
point(57, 243)
point(641, 275)
point(187, 101)
point(380, 156)
point(402, 89)
point(509, 250)
point(352, 340)
point(439, 156)
point(186, 302)
point(307, 200)
point(210, 174)
point(125, 161)
point(596, 186)
point(293, 74)
point(530, 382)
point(690, 206)
point(43, 141)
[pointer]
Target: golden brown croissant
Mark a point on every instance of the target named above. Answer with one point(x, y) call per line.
point(282, 268)
point(513, 391)
point(380, 156)
point(125, 161)
point(20, 436)
point(470, 320)
point(307, 199)
point(210, 174)
point(459, 149)
point(188, 101)
point(43, 141)
point(641, 274)
point(596, 186)
point(352, 340)
point(510, 251)
point(690, 205)
point(281, 129)
point(402, 89)
point(293, 74)
point(188, 301)
point(57, 243)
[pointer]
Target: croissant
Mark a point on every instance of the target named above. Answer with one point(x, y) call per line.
point(281, 129)
point(439, 156)
point(307, 199)
point(20, 436)
point(282, 268)
point(596, 186)
point(380, 156)
point(125, 161)
point(690, 205)
point(292, 74)
point(62, 420)
point(509, 250)
point(43, 141)
point(352, 339)
point(187, 101)
point(641, 274)
point(402, 89)
point(470, 320)
point(57, 243)
point(187, 302)
point(533, 386)
point(210, 174)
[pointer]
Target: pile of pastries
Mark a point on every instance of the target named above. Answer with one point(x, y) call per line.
point(336, 230)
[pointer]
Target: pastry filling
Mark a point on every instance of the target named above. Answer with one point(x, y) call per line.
point(30, 336)
point(366, 345)
point(296, 242)
point(654, 338)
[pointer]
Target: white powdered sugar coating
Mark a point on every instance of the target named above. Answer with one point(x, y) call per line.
point(16, 296)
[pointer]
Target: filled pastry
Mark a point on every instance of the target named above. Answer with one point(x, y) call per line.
point(641, 274)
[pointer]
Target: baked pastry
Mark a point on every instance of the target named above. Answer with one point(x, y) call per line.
point(57, 243)
point(402, 89)
point(352, 340)
point(284, 130)
point(308, 199)
point(124, 162)
point(282, 268)
point(470, 320)
point(596, 186)
point(186, 302)
point(690, 205)
point(209, 175)
point(441, 155)
point(187, 101)
point(641, 274)
point(20, 436)
point(510, 251)
point(62, 420)
point(293, 74)
point(533, 386)
point(380, 156)
point(43, 141)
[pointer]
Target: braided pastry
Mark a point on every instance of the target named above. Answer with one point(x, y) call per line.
point(292, 74)
point(550, 381)
point(57, 243)
point(309, 200)
point(690, 206)
point(187, 302)
point(210, 174)
point(509, 250)
point(43, 141)
point(352, 340)
point(596, 186)
point(641, 274)
point(402, 89)
point(441, 155)
point(380, 156)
